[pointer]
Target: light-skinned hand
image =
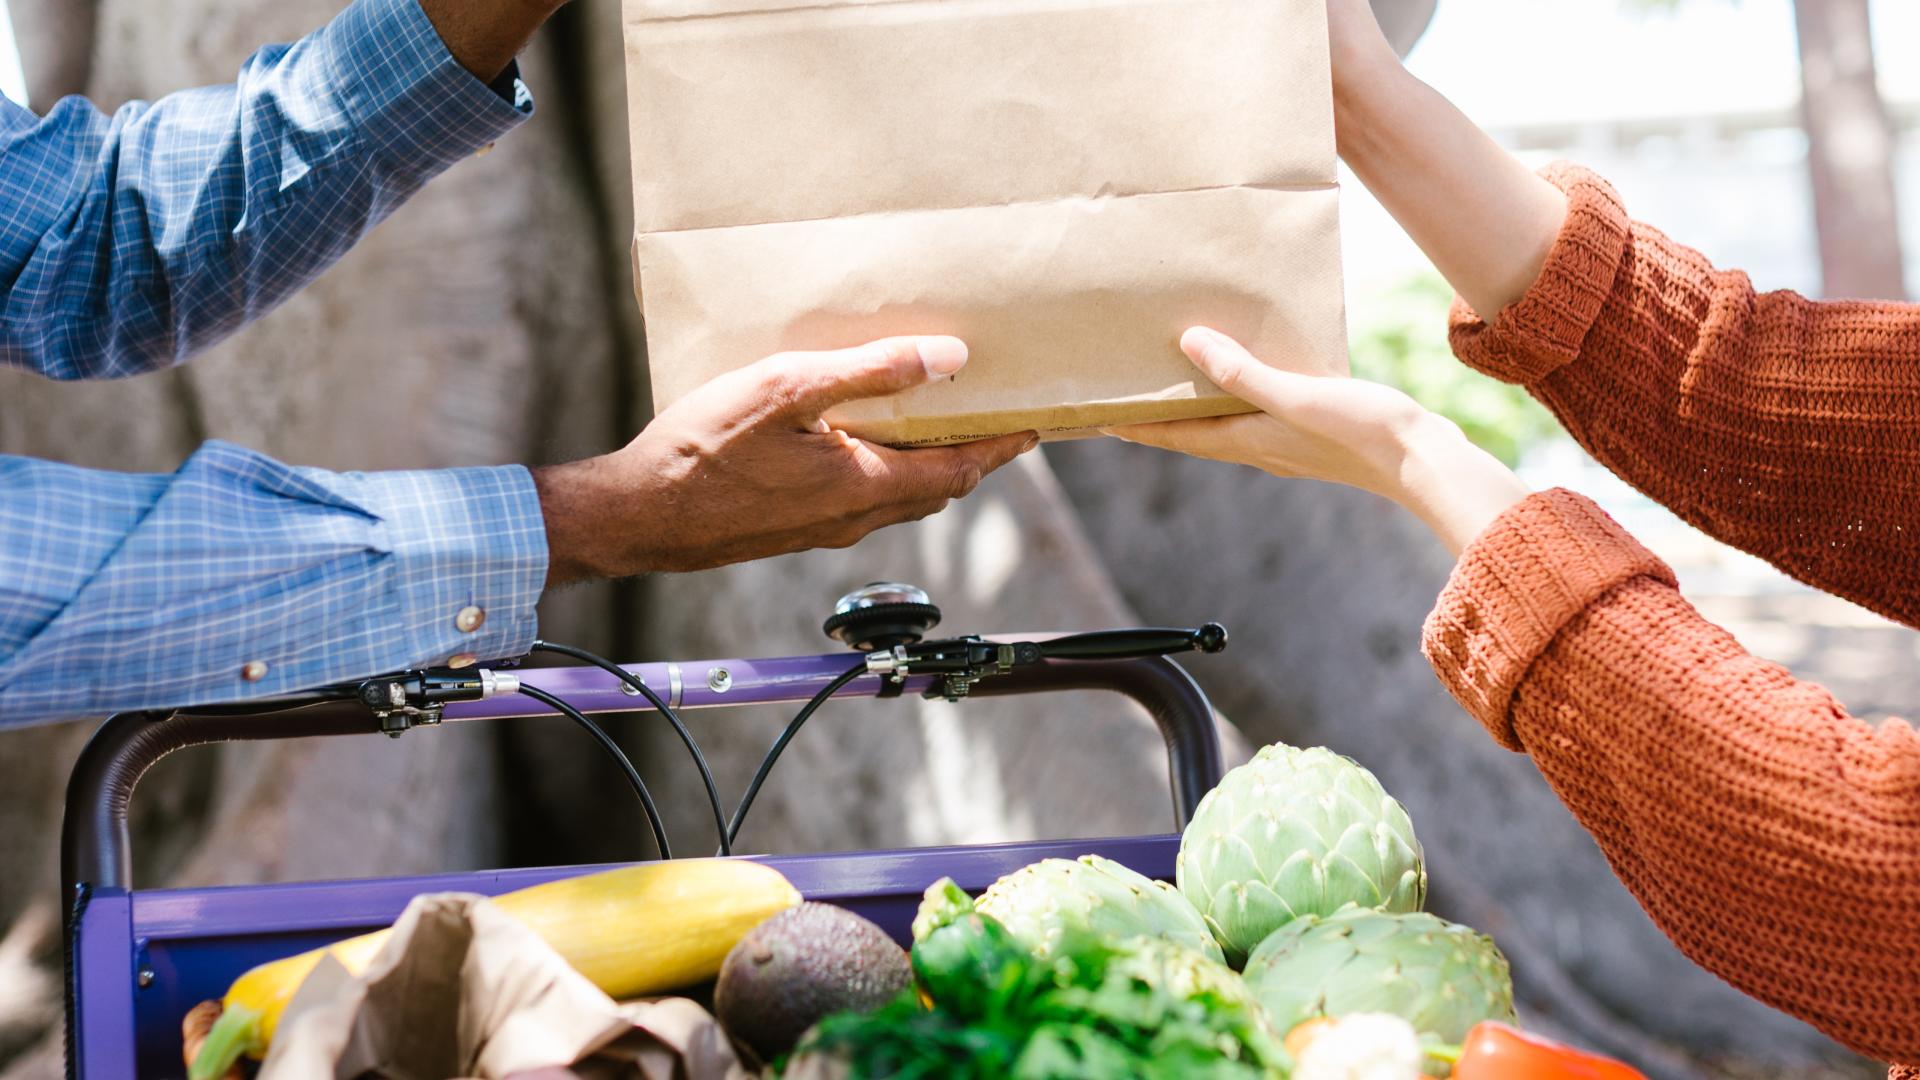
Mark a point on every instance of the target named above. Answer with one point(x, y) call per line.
point(1343, 431)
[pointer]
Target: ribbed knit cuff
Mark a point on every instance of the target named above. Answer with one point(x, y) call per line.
point(1536, 568)
point(1546, 328)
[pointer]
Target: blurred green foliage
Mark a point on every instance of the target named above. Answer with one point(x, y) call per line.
point(1400, 338)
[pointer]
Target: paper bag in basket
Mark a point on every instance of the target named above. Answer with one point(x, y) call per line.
point(1065, 184)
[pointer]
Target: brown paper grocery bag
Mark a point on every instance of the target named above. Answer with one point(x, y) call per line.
point(1065, 184)
point(461, 989)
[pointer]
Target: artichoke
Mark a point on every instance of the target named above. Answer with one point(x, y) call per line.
point(1051, 905)
point(1441, 978)
point(1179, 972)
point(1296, 832)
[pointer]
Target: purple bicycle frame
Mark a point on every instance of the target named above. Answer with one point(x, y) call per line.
point(137, 959)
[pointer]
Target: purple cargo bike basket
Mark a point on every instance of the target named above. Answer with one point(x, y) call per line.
point(137, 960)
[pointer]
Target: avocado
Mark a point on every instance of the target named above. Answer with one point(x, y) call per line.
point(801, 966)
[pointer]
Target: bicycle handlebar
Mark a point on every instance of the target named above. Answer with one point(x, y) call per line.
point(95, 849)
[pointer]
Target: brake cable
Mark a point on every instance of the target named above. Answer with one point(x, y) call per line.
point(693, 747)
point(626, 764)
point(780, 745)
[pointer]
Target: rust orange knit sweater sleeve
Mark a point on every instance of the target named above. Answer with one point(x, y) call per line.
point(1773, 837)
point(1785, 427)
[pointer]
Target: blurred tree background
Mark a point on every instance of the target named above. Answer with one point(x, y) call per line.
point(1850, 147)
point(510, 277)
point(1400, 338)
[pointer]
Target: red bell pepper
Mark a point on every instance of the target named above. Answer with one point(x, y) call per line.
point(1498, 1052)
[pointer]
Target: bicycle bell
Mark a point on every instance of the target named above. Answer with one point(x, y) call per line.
point(881, 616)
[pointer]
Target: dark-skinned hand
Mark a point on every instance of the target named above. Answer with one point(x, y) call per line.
point(746, 468)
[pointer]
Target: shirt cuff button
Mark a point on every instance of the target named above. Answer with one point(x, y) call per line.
point(463, 660)
point(254, 671)
point(469, 619)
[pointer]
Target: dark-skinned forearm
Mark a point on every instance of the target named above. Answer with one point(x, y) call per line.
point(573, 502)
point(485, 35)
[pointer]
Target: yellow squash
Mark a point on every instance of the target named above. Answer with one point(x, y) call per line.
point(634, 931)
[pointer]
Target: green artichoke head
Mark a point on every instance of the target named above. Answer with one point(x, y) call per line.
point(1291, 833)
point(1053, 904)
point(1440, 977)
point(1180, 972)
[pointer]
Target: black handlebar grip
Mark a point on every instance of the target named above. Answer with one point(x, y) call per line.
point(1211, 638)
point(1135, 644)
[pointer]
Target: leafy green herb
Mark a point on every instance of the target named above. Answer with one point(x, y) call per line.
point(1139, 1008)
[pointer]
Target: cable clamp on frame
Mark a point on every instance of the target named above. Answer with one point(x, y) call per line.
point(414, 699)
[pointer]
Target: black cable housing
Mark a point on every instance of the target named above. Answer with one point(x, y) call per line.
point(780, 744)
point(626, 764)
point(693, 747)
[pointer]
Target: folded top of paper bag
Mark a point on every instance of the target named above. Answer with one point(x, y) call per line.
point(818, 110)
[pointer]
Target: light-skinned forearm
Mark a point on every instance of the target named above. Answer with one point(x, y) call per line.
point(1485, 220)
point(1453, 486)
point(485, 35)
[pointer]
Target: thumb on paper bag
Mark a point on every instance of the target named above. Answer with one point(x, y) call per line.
point(821, 380)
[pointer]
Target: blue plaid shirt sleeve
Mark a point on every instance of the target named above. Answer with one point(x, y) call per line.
point(238, 577)
point(129, 241)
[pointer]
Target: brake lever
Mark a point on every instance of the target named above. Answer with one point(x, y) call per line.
point(958, 663)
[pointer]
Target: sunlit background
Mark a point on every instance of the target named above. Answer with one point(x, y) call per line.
point(12, 82)
point(1694, 114)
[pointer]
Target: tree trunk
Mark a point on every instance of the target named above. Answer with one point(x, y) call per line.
point(55, 39)
point(1404, 21)
point(1850, 152)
